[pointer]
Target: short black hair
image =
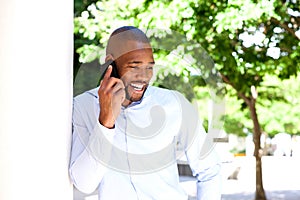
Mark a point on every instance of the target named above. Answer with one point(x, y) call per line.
point(126, 33)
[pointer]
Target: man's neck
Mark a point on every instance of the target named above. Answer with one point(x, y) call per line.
point(126, 103)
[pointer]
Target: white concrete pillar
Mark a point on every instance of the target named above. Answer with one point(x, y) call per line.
point(36, 41)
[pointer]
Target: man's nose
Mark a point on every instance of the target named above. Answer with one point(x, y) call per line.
point(143, 74)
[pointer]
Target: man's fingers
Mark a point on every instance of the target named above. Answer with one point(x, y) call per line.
point(111, 83)
point(107, 73)
point(106, 77)
point(120, 94)
point(118, 86)
point(111, 86)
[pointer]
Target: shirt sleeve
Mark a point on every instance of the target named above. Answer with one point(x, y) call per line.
point(199, 150)
point(90, 150)
point(206, 166)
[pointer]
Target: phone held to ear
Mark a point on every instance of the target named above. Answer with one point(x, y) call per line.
point(114, 72)
point(103, 69)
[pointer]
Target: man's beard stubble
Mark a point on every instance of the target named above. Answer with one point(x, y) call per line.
point(130, 98)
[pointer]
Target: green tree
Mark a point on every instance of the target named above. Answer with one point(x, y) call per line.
point(280, 107)
point(247, 46)
point(248, 40)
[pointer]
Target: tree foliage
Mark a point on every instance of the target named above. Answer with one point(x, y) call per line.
point(246, 39)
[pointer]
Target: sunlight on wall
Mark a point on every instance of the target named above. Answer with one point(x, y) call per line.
point(35, 98)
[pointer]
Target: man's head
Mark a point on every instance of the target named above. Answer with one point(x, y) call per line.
point(130, 48)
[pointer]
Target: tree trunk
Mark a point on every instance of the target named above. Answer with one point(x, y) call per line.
point(251, 101)
point(260, 192)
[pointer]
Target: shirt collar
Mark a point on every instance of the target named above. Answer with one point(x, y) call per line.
point(93, 92)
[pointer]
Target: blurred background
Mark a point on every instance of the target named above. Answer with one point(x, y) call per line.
point(252, 49)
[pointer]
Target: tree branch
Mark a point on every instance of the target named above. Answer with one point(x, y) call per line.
point(240, 94)
point(284, 26)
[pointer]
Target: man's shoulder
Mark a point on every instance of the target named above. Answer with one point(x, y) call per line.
point(87, 96)
point(163, 93)
point(160, 91)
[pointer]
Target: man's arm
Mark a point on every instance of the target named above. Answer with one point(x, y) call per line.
point(90, 149)
point(111, 95)
point(93, 133)
point(205, 167)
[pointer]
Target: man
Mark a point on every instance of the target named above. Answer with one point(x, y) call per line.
point(126, 133)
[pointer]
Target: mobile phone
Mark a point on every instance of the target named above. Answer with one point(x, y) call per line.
point(103, 69)
point(114, 72)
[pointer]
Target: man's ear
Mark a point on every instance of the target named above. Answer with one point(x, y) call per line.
point(109, 57)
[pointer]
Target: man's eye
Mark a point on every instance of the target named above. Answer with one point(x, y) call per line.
point(140, 67)
point(133, 67)
point(150, 67)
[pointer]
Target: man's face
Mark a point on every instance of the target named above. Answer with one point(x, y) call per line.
point(136, 69)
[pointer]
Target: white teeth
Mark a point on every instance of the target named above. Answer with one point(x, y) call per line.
point(137, 86)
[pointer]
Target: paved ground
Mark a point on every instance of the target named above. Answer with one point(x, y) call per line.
point(281, 177)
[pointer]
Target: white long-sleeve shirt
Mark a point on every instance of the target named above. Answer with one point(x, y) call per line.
point(137, 158)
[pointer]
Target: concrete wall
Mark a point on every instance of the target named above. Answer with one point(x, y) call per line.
point(36, 45)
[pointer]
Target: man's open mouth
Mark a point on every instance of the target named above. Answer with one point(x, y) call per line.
point(137, 86)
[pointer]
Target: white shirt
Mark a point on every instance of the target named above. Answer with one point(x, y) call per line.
point(137, 158)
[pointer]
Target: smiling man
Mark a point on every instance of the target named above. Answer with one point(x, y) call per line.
point(131, 51)
point(126, 134)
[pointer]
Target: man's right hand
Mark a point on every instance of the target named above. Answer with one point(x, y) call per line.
point(111, 96)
